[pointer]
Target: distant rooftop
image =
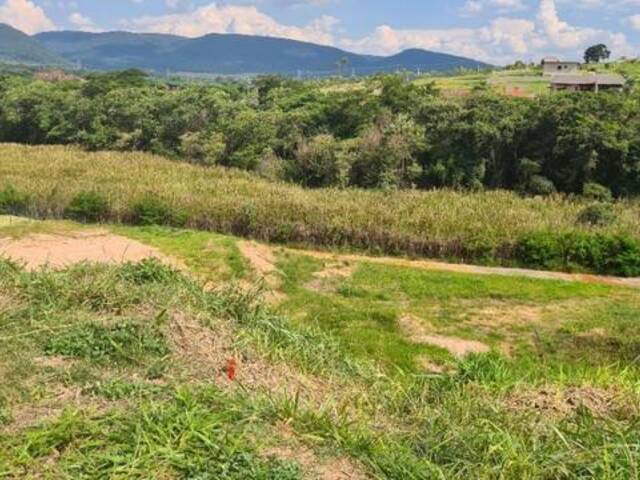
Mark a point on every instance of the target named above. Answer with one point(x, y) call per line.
point(599, 79)
point(557, 60)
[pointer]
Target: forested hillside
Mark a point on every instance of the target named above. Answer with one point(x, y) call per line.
point(230, 54)
point(385, 132)
point(18, 47)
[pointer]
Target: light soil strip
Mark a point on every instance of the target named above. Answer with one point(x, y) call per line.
point(417, 331)
point(62, 250)
point(263, 263)
point(473, 269)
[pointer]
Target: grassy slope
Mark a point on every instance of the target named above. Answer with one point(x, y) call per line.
point(97, 384)
point(439, 223)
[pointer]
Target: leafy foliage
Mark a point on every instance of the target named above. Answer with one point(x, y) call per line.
point(88, 207)
point(151, 210)
point(12, 201)
point(384, 132)
point(122, 342)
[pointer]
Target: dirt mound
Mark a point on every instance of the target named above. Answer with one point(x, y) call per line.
point(58, 251)
point(418, 331)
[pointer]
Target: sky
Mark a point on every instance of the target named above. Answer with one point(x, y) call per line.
point(496, 31)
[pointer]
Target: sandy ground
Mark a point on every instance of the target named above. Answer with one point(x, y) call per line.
point(61, 250)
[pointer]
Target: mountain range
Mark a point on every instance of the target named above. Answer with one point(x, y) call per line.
point(18, 47)
point(224, 54)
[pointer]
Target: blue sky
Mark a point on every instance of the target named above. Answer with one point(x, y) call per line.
point(499, 31)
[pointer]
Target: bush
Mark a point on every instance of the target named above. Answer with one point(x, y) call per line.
point(151, 210)
point(88, 207)
point(597, 215)
point(600, 253)
point(539, 185)
point(540, 250)
point(595, 191)
point(13, 202)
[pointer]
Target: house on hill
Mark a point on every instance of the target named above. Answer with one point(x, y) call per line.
point(554, 66)
point(587, 83)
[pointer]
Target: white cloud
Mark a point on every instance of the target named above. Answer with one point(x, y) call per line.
point(247, 20)
point(475, 7)
point(634, 20)
point(502, 40)
point(83, 22)
point(26, 16)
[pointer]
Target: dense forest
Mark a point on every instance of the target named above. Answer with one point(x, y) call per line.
point(383, 132)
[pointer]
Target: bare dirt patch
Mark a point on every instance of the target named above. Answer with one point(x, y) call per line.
point(24, 416)
point(499, 314)
point(312, 466)
point(58, 251)
point(261, 259)
point(263, 262)
point(552, 401)
point(428, 366)
point(325, 281)
point(52, 362)
point(419, 331)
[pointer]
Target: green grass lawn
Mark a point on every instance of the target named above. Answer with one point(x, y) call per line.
point(119, 371)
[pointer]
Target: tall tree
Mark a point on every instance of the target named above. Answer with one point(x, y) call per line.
point(597, 53)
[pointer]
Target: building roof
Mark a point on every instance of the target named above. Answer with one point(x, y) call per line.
point(600, 79)
point(557, 60)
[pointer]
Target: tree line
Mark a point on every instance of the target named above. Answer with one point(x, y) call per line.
point(384, 132)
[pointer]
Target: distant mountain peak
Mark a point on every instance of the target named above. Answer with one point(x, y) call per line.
point(233, 54)
point(18, 47)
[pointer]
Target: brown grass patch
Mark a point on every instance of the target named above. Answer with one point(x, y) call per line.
point(552, 401)
point(61, 250)
point(205, 352)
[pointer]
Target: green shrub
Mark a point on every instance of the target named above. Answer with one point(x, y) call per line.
point(540, 250)
point(600, 253)
point(88, 207)
point(597, 215)
point(151, 210)
point(12, 201)
point(123, 342)
point(149, 270)
point(598, 192)
point(539, 185)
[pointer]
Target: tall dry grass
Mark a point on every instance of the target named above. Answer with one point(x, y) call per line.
point(440, 223)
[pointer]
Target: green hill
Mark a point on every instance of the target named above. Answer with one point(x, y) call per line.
point(18, 47)
point(234, 54)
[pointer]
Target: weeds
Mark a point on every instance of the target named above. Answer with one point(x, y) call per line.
point(122, 342)
point(90, 207)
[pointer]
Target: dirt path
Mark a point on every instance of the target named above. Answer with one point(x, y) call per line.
point(473, 269)
point(61, 250)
